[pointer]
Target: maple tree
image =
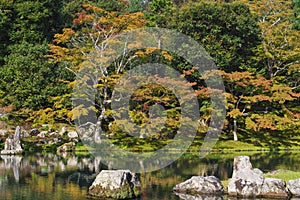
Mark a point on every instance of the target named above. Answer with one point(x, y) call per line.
point(257, 52)
point(254, 103)
point(94, 28)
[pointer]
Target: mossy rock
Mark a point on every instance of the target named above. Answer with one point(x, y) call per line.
point(116, 184)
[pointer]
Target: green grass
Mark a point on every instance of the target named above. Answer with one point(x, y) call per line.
point(286, 176)
point(225, 185)
point(230, 145)
point(236, 145)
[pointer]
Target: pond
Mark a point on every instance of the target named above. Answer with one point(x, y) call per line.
point(43, 177)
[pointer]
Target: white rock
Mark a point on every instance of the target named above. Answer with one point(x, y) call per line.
point(273, 187)
point(72, 134)
point(42, 134)
point(200, 185)
point(117, 184)
point(249, 182)
point(3, 132)
point(294, 187)
point(62, 131)
point(198, 197)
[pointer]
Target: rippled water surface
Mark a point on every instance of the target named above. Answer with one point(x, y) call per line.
point(43, 177)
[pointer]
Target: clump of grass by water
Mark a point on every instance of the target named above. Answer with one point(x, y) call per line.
point(236, 146)
point(225, 185)
point(286, 176)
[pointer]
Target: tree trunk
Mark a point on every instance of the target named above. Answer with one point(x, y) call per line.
point(235, 137)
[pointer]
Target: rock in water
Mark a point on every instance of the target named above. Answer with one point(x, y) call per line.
point(294, 187)
point(274, 187)
point(249, 182)
point(198, 197)
point(13, 144)
point(201, 185)
point(117, 184)
point(245, 181)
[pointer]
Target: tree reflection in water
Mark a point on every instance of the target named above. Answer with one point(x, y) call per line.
point(65, 177)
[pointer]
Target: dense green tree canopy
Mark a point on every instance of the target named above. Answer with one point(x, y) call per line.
point(254, 44)
point(229, 32)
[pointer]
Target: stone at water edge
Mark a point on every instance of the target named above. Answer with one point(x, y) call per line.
point(13, 144)
point(198, 197)
point(274, 187)
point(3, 132)
point(72, 135)
point(294, 187)
point(249, 182)
point(25, 134)
point(200, 185)
point(34, 132)
point(62, 131)
point(245, 181)
point(42, 134)
point(117, 184)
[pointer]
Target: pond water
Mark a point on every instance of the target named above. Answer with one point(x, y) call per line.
point(53, 177)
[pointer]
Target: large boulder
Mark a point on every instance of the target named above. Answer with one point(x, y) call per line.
point(198, 197)
point(294, 187)
point(117, 184)
point(200, 185)
point(249, 182)
point(273, 187)
point(245, 181)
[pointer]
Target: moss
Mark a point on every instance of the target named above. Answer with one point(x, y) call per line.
point(225, 185)
point(126, 192)
point(137, 191)
point(50, 147)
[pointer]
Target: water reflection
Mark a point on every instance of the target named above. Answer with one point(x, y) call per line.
point(64, 177)
point(12, 162)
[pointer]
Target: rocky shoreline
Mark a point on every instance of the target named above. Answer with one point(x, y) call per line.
point(246, 182)
point(38, 139)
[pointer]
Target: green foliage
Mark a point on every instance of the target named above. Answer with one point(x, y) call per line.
point(158, 12)
point(135, 6)
point(257, 51)
point(28, 79)
point(228, 32)
point(296, 20)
